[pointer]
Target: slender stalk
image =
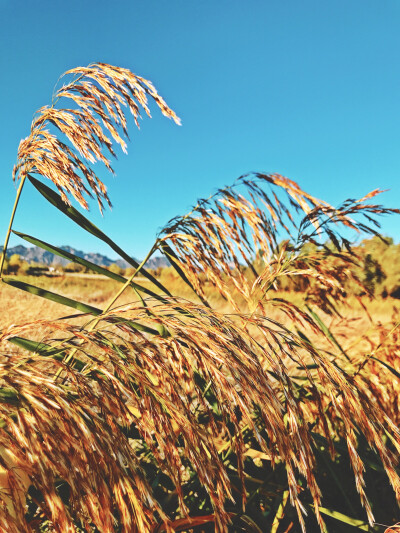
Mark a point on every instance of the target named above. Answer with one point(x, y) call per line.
point(95, 322)
point(280, 512)
point(125, 285)
point(3, 255)
point(19, 191)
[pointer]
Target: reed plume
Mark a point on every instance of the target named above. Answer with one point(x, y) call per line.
point(154, 387)
point(219, 241)
point(99, 94)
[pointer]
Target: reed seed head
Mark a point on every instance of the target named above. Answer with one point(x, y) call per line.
point(99, 96)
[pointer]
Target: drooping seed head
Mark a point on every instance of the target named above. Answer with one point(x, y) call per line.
point(99, 95)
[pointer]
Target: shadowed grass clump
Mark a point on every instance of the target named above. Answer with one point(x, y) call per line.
point(163, 414)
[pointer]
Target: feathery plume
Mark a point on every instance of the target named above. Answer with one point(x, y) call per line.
point(99, 94)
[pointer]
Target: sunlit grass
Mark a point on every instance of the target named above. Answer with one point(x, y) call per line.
point(206, 396)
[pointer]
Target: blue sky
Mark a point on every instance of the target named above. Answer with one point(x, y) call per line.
point(307, 89)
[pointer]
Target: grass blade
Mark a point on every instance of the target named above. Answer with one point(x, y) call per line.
point(8, 395)
point(326, 331)
point(54, 297)
point(359, 524)
point(84, 308)
point(160, 331)
point(172, 258)
point(44, 350)
point(87, 264)
point(392, 370)
point(36, 347)
point(72, 213)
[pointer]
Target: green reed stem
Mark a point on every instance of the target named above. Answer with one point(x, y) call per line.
point(95, 322)
point(3, 255)
point(126, 284)
point(19, 191)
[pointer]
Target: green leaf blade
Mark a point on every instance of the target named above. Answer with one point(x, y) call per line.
point(359, 524)
point(87, 264)
point(72, 213)
point(173, 259)
point(389, 367)
point(54, 297)
point(326, 331)
point(45, 350)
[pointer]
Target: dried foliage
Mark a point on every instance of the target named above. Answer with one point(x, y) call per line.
point(217, 242)
point(145, 418)
point(68, 435)
point(379, 371)
point(155, 388)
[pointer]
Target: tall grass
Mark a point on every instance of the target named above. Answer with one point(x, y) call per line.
point(144, 416)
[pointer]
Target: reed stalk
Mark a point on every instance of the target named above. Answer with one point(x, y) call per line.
point(4, 252)
point(93, 324)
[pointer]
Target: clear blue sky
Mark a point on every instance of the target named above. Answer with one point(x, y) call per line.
point(309, 89)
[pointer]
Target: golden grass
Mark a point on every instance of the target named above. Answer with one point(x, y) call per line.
point(352, 329)
point(100, 92)
point(199, 379)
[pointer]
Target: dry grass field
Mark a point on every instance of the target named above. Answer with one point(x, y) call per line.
point(356, 328)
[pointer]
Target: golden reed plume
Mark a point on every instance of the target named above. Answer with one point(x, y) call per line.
point(99, 92)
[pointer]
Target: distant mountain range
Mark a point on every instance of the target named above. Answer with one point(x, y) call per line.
point(34, 254)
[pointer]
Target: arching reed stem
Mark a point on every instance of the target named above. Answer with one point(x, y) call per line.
point(3, 255)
